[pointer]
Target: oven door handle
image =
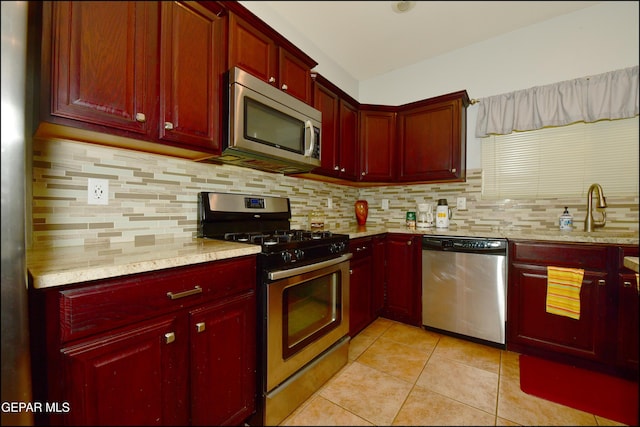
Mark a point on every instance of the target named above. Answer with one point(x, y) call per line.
point(283, 274)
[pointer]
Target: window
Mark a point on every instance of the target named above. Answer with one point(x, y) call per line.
point(562, 161)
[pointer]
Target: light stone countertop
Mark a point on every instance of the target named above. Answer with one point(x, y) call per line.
point(631, 262)
point(50, 267)
point(601, 236)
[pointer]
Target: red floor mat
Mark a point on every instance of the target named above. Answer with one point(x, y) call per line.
point(607, 396)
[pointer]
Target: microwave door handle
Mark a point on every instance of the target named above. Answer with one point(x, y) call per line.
point(312, 136)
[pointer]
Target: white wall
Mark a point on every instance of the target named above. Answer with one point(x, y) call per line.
point(594, 40)
point(590, 41)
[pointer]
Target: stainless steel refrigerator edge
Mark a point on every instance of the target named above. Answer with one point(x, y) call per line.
point(16, 369)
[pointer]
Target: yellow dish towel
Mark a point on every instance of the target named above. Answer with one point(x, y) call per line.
point(563, 291)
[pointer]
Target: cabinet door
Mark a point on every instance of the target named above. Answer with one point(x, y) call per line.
point(136, 376)
point(529, 324)
point(379, 264)
point(223, 361)
point(294, 76)
point(191, 66)
point(348, 142)
point(628, 315)
point(377, 145)
point(360, 285)
point(327, 102)
point(252, 50)
point(103, 65)
point(403, 275)
point(432, 142)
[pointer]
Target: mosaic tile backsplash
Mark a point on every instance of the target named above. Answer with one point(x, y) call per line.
point(155, 197)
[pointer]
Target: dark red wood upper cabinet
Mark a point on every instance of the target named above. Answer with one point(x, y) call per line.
point(103, 66)
point(348, 133)
point(192, 61)
point(259, 50)
point(432, 139)
point(377, 145)
point(339, 155)
point(327, 102)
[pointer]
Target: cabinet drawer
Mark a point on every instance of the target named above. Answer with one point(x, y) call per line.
point(106, 304)
point(560, 255)
point(361, 248)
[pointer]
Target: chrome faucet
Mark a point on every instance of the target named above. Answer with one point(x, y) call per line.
point(591, 224)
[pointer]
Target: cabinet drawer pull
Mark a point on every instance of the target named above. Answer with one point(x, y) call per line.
point(140, 117)
point(169, 337)
point(272, 79)
point(409, 242)
point(602, 282)
point(168, 125)
point(196, 290)
point(285, 87)
point(626, 284)
point(200, 326)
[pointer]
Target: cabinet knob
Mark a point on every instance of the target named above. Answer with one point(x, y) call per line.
point(169, 337)
point(602, 282)
point(350, 271)
point(285, 87)
point(454, 170)
point(272, 79)
point(409, 242)
point(363, 173)
point(140, 117)
point(626, 284)
point(336, 167)
point(168, 125)
point(200, 326)
point(343, 170)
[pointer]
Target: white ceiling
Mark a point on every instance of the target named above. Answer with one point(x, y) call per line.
point(367, 38)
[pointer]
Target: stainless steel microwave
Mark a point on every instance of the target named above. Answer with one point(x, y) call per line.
point(268, 129)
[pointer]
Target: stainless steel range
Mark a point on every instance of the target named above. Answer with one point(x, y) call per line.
point(303, 296)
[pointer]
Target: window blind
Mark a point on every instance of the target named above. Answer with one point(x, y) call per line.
point(562, 161)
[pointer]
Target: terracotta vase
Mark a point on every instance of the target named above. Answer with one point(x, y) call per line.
point(362, 210)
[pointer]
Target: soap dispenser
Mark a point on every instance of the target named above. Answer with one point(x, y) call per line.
point(566, 220)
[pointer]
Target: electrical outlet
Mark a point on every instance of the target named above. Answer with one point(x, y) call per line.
point(461, 203)
point(98, 191)
point(385, 204)
point(329, 203)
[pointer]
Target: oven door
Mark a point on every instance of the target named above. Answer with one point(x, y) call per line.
point(307, 312)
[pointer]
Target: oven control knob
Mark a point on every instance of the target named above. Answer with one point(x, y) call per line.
point(286, 257)
point(336, 248)
point(299, 253)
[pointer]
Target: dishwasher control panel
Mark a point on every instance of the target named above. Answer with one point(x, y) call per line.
point(464, 244)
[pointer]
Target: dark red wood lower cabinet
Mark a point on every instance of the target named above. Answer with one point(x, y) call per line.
point(169, 347)
point(605, 337)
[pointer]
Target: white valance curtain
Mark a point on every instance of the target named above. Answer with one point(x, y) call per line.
point(612, 95)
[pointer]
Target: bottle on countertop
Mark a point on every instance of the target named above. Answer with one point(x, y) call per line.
point(566, 220)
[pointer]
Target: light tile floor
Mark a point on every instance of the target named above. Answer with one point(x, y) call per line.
point(403, 375)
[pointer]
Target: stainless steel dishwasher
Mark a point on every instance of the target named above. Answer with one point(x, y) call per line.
point(464, 287)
